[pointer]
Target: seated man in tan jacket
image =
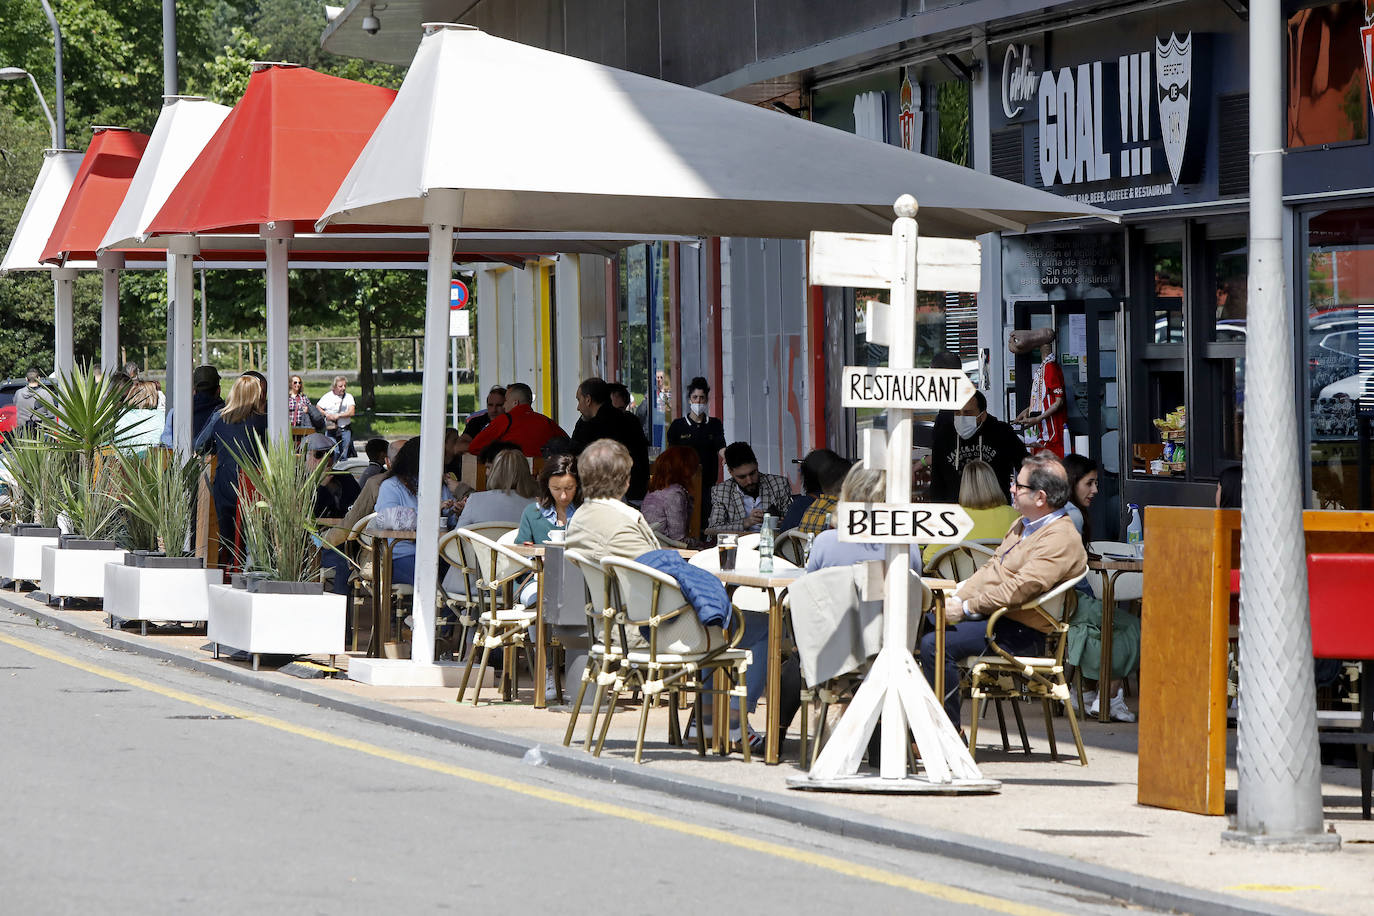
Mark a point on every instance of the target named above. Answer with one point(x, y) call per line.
point(1041, 550)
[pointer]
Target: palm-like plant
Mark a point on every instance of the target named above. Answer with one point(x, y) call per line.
point(157, 489)
point(276, 512)
point(38, 471)
point(89, 421)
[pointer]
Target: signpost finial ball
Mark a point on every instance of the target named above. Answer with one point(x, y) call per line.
point(905, 206)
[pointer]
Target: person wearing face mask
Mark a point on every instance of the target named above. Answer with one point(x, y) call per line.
point(974, 435)
point(702, 433)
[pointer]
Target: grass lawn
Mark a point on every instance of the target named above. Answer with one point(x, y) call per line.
point(404, 399)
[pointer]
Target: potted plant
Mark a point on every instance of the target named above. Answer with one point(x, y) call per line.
point(159, 579)
point(278, 606)
point(88, 423)
point(34, 473)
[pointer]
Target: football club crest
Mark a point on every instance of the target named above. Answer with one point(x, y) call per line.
point(1174, 78)
point(906, 118)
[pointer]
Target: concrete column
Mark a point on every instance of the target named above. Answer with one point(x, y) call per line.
point(110, 264)
point(278, 241)
point(487, 361)
point(64, 356)
point(567, 279)
point(525, 341)
point(181, 251)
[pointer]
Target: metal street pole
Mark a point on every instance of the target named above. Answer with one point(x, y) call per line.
point(169, 47)
point(18, 73)
point(1278, 802)
point(61, 129)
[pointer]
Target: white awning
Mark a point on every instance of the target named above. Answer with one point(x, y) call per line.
point(49, 193)
point(543, 141)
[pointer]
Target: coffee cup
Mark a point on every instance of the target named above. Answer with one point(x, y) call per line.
point(556, 535)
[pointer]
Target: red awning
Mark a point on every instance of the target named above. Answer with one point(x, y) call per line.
point(101, 183)
point(279, 156)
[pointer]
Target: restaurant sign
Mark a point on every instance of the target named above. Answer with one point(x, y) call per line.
point(1127, 119)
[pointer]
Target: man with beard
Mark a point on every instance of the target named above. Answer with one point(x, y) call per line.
point(739, 504)
point(974, 434)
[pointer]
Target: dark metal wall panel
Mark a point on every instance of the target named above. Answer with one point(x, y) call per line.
point(694, 343)
point(595, 30)
point(642, 39)
point(540, 23)
point(704, 39)
point(786, 25)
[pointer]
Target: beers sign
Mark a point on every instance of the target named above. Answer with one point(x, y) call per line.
point(903, 523)
point(1097, 120)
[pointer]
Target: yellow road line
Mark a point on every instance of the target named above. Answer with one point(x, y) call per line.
point(777, 850)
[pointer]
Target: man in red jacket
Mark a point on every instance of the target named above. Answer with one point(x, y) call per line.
point(519, 424)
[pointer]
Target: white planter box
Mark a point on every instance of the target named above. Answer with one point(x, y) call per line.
point(71, 573)
point(21, 558)
point(266, 624)
point(148, 593)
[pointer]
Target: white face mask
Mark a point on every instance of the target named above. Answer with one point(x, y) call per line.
point(965, 426)
point(697, 409)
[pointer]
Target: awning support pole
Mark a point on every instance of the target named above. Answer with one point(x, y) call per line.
point(278, 243)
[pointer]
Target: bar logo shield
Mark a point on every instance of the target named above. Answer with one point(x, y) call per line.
point(1174, 79)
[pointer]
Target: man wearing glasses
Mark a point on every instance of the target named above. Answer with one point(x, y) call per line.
point(1041, 550)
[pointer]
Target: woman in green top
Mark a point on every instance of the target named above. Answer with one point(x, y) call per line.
point(983, 498)
point(559, 496)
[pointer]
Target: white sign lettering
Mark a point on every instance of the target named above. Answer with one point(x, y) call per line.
point(913, 389)
point(903, 523)
point(1073, 132)
point(1018, 79)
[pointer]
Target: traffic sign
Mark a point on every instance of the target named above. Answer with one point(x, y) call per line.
point(903, 523)
point(457, 294)
point(870, 261)
point(912, 389)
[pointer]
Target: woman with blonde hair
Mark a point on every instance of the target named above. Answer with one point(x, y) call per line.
point(145, 418)
point(510, 489)
point(985, 501)
point(235, 428)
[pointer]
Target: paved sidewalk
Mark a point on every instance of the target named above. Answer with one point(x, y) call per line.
point(1079, 824)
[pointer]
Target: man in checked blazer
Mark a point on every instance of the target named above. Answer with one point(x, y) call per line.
point(739, 503)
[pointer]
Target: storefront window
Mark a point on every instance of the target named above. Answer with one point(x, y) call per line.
point(1340, 355)
point(1230, 274)
point(1166, 259)
point(644, 336)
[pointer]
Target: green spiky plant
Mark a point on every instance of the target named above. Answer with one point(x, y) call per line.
point(276, 512)
point(38, 470)
point(89, 421)
point(158, 489)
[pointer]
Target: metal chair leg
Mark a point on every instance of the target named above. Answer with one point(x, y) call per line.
point(973, 728)
point(577, 707)
point(467, 671)
point(1021, 726)
point(482, 671)
point(1077, 738)
point(643, 726)
point(613, 698)
point(1049, 728)
point(1002, 725)
point(598, 698)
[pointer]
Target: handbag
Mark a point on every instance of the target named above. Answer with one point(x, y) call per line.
point(314, 416)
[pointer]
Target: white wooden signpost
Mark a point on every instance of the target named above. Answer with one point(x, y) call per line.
point(894, 691)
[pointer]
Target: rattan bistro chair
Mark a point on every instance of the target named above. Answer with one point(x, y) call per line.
point(504, 623)
point(682, 655)
point(999, 675)
point(791, 545)
point(606, 652)
point(459, 593)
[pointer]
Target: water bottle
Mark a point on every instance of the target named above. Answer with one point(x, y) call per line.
point(1135, 531)
point(808, 541)
point(766, 546)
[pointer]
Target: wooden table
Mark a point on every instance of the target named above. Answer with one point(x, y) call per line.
point(772, 583)
point(384, 541)
point(1111, 568)
point(938, 587)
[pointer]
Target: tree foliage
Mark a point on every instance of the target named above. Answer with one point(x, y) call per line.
point(113, 72)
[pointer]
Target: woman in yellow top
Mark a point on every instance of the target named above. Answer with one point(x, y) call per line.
point(985, 500)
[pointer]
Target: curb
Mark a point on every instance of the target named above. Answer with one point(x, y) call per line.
point(1140, 890)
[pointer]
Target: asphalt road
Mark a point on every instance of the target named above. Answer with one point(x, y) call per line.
point(130, 786)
